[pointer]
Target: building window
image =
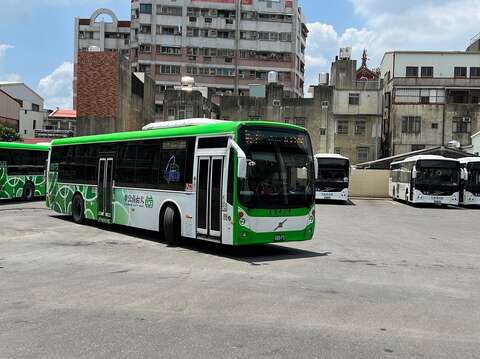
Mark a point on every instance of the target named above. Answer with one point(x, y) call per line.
point(146, 48)
point(426, 71)
point(363, 154)
point(145, 29)
point(34, 124)
point(145, 8)
point(462, 125)
point(435, 126)
point(323, 132)
point(35, 107)
point(418, 147)
point(412, 71)
point(342, 128)
point(338, 150)
point(411, 124)
point(460, 72)
point(354, 99)
point(425, 100)
point(474, 72)
point(300, 121)
point(360, 128)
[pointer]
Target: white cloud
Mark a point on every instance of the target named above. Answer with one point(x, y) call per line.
point(394, 25)
point(4, 48)
point(13, 77)
point(56, 87)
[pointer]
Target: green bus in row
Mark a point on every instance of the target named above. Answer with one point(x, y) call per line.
point(22, 170)
point(235, 183)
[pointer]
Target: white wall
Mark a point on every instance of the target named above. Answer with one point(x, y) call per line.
point(443, 63)
point(476, 144)
point(370, 103)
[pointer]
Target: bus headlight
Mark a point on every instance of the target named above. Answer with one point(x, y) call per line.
point(311, 219)
point(242, 221)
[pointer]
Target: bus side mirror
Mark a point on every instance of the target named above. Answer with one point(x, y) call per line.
point(242, 167)
point(242, 158)
point(465, 174)
point(315, 165)
point(414, 173)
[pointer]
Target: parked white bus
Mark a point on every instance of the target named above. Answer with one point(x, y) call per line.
point(470, 188)
point(333, 177)
point(426, 179)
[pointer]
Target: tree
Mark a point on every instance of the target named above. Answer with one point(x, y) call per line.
point(8, 134)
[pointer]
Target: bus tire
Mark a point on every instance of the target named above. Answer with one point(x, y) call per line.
point(171, 225)
point(78, 209)
point(28, 191)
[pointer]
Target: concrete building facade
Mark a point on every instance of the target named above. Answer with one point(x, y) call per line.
point(344, 116)
point(430, 99)
point(110, 98)
point(182, 104)
point(357, 110)
point(102, 34)
point(476, 144)
point(32, 114)
point(9, 111)
point(225, 45)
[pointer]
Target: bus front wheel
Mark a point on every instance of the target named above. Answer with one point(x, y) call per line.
point(28, 191)
point(78, 209)
point(171, 225)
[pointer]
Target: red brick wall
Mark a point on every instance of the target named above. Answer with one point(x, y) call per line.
point(97, 85)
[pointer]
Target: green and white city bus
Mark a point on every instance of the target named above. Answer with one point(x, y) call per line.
point(22, 170)
point(470, 189)
point(236, 183)
point(426, 179)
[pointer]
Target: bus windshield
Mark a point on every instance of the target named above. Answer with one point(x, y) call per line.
point(333, 170)
point(280, 171)
point(474, 175)
point(437, 173)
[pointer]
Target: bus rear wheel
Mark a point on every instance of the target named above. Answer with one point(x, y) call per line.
point(78, 209)
point(171, 225)
point(28, 191)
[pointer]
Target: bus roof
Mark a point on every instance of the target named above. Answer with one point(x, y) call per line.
point(23, 146)
point(425, 157)
point(331, 155)
point(221, 127)
point(469, 159)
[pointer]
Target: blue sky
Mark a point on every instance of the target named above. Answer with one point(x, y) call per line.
point(36, 36)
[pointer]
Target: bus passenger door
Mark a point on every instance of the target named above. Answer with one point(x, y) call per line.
point(105, 187)
point(209, 196)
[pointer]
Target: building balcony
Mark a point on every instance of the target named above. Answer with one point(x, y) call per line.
point(436, 82)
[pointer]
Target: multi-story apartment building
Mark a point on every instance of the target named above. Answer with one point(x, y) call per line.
point(100, 34)
point(32, 114)
point(225, 45)
point(430, 99)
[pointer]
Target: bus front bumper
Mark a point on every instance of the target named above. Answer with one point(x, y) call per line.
point(419, 197)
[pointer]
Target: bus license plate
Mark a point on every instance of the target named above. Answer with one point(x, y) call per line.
point(437, 200)
point(279, 238)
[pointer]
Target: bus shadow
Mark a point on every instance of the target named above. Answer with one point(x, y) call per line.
point(254, 255)
point(335, 203)
point(4, 202)
point(432, 206)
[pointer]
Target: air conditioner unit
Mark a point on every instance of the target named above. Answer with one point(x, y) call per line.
point(467, 119)
point(277, 103)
